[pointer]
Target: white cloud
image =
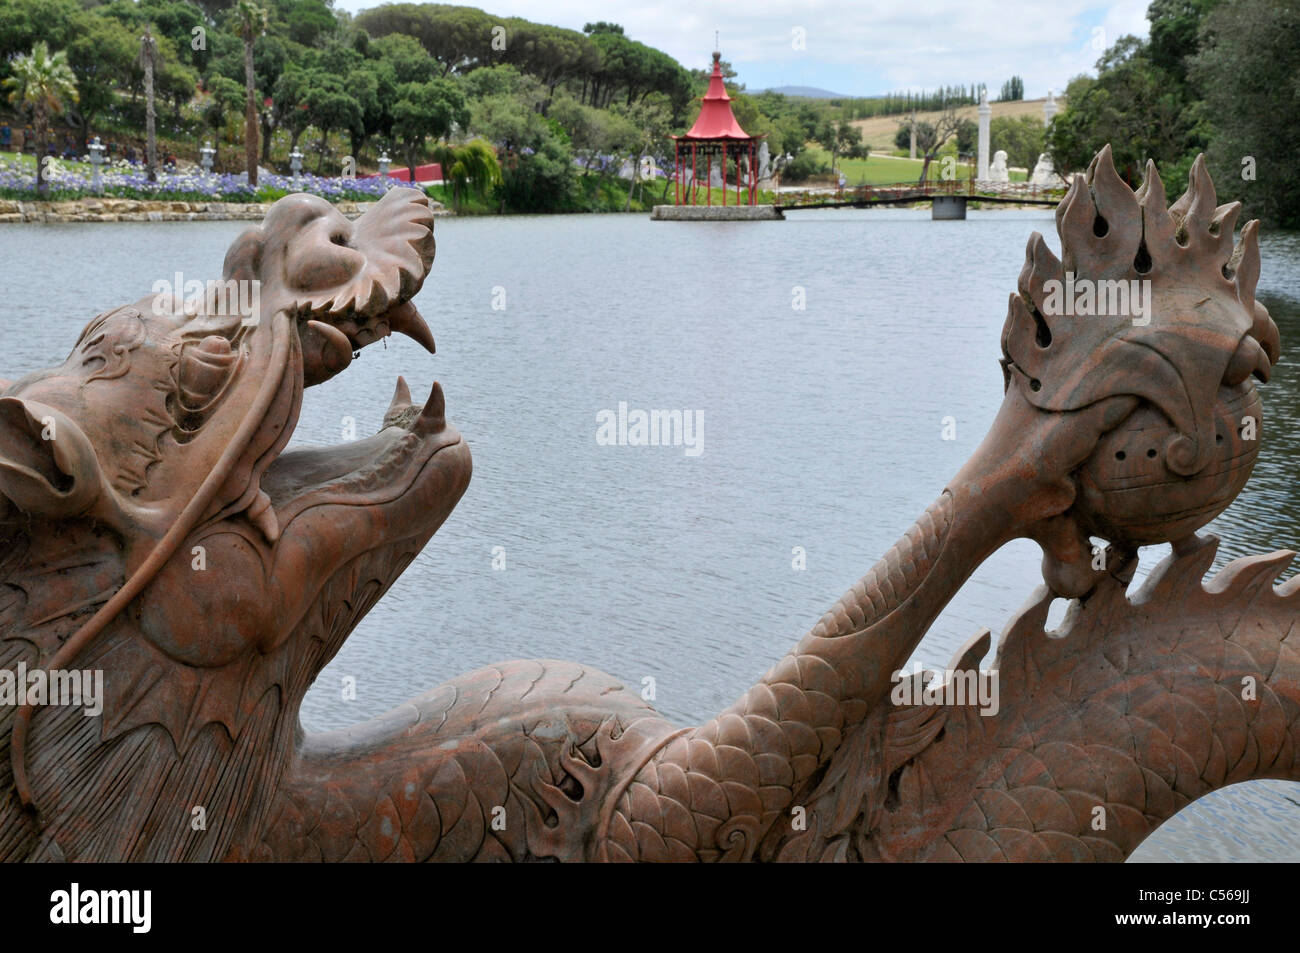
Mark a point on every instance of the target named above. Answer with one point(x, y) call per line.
point(862, 46)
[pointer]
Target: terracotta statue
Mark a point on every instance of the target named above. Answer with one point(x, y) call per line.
point(1130, 414)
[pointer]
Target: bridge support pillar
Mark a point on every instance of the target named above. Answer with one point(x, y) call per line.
point(948, 208)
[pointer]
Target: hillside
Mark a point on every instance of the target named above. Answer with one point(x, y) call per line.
point(878, 132)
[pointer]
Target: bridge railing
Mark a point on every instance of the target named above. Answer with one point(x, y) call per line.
point(903, 191)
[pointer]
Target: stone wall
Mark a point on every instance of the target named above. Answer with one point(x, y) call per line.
point(149, 210)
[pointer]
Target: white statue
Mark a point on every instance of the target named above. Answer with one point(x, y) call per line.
point(998, 170)
point(1044, 173)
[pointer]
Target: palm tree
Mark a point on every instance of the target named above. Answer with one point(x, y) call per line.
point(251, 20)
point(472, 167)
point(149, 60)
point(45, 84)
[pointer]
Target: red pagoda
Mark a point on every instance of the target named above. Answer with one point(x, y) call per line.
point(715, 134)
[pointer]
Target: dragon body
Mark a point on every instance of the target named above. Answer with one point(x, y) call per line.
point(1134, 431)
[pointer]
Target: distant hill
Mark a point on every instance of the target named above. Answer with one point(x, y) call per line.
point(807, 92)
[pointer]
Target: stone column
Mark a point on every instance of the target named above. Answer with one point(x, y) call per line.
point(913, 150)
point(985, 111)
point(1049, 109)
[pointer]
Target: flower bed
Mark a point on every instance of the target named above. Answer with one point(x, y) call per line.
point(123, 180)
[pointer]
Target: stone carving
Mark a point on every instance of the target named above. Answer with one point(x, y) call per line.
point(1045, 174)
point(1125, 425)
point(998, 170)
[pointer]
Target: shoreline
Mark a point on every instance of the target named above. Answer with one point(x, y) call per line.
point(111, 209)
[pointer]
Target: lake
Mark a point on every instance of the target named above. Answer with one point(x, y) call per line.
point(822, 428)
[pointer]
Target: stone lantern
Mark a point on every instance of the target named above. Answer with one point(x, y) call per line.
point(96, 160)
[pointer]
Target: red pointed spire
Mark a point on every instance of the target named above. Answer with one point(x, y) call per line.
point(716, 120)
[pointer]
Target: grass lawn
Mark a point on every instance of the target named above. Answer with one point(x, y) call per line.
point(27, 162)
point(884, 170)
point(887, 170)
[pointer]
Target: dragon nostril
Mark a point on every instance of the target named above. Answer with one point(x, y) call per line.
point(340, 240)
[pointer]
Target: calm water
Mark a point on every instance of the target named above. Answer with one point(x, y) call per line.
point(821, 429)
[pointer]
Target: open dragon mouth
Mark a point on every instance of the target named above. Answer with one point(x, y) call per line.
point(353, 285)
point(382, 468)
point(331, 341)
point(373, 470)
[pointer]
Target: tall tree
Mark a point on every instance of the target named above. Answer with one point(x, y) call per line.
point(226, 96)
point(1134, 105)
point(588, 129)
point(1175, 25)
point(931, 137)
point(251, 20)
point(44, 83)
point(650, 124)
point(330, 106)
point(23, 23)
point(102, 55)
point(1013, 90)
point(290, 98)
point(840, 138)
point(427, 109)
point(1249, 67)
point(458, 38)
point(148, 61)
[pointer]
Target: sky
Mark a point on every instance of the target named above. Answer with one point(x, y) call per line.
point(861, 47)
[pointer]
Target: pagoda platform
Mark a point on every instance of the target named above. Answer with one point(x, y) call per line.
point(716, 213)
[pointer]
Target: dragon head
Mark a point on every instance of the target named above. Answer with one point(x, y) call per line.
point(156, 453)
point(1154, 303)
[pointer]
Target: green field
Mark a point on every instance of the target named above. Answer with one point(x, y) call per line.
point(886, 170)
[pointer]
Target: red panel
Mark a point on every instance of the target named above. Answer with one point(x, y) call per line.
point(423, 173)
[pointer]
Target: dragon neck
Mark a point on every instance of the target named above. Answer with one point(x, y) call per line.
point(738, 773)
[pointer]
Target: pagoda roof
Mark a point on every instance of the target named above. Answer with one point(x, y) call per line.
point(716, 120)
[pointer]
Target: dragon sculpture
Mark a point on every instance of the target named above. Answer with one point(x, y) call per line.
point(153, 526)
